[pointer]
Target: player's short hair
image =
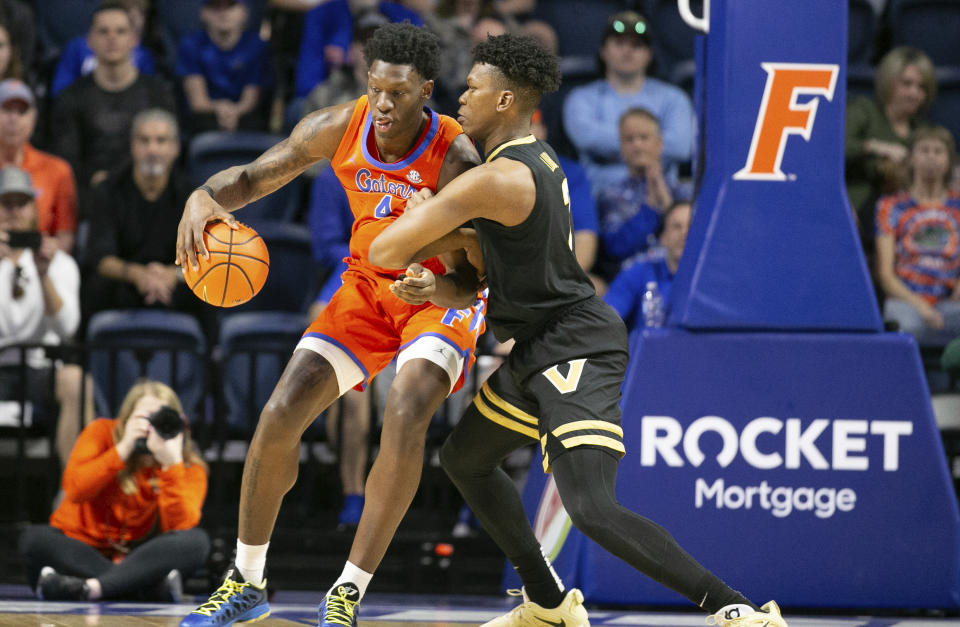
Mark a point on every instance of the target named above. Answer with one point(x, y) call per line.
point(527, 66)
point(405, 44)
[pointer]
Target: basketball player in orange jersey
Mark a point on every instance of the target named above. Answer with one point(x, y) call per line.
point(384, 147)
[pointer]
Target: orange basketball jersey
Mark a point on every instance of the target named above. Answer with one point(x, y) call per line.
point(378, 191)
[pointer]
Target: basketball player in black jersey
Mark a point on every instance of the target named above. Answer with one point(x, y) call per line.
point(560, 385)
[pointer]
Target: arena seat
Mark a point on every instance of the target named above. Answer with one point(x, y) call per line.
point(928, 25)
point(673, 40)
point(290, 285)
point(861, 32)
point(59, 21)
point(579, 23)
point(126, 344)
point(945, 109)
point(217, 150)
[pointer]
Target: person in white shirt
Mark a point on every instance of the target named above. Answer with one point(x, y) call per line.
point(39, 304)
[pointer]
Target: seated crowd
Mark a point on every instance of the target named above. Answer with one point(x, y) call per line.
point(93, 157)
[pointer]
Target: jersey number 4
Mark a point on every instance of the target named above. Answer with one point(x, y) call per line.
point(383, 207)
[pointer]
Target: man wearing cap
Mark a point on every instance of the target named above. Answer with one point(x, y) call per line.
point(39, 303)
point(225, 70)
point(591, 112)
point(91, 118)
point(56, 192)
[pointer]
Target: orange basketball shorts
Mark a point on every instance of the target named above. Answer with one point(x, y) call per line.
point(365, 326)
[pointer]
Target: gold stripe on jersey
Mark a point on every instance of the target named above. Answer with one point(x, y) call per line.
point(512, 410)
point(596, 440)
point(529, 139)
point(508, 422)
point(581, 425)
point(547, 160)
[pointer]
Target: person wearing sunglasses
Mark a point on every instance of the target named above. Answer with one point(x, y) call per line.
point(39, 304)
point(591, 112)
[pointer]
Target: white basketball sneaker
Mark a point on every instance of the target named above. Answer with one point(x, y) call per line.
point(768, 616)
point(570, 613)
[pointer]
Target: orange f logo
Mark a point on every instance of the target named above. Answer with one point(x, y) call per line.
point(780, 114)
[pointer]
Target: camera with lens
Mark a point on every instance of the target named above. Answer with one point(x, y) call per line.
point(167, 422)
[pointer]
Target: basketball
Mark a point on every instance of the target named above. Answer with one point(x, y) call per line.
point(237, 267)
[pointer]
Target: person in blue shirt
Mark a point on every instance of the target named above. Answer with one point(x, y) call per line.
point(78, 59)
point(591, 112)
point(327, 33)
point(630, 209)
point(225, 70)
point(626, 291)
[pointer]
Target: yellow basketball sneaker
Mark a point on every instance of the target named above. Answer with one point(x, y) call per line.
point(768, 616)
point(570, 613)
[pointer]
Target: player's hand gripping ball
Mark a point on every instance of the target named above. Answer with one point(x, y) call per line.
point(237, 267)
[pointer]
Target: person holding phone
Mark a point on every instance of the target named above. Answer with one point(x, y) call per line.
point(39, 304)
point(133, 492)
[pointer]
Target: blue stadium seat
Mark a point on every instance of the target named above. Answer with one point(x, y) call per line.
point(214, 151)
point(862, 32)
point(290, 285)
point(579, 23)
point(673, 40)
point(127, 344)
point(860, 81)
point(59, 21)
point(928, 25)
point(255, 347)
point(945, 109)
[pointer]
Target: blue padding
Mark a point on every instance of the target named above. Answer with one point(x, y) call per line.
point(894, 541)
point(779, 252)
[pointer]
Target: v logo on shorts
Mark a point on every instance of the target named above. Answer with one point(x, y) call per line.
point(569, 383)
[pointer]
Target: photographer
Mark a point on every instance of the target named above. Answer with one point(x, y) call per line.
point(39, 303)
point(127, 526)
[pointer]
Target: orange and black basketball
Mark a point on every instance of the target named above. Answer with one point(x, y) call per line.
point(237, 267)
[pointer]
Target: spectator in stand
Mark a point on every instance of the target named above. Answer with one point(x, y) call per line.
point(330, 220)
point(349, 81)
point(918, 260)
point(127, 525)
point(92, 116)
point(582, 206)
point(56, 197)
point(630, 208)
point(460, 24)
point(225, 70)
point(591, 112)
point(327, 31)
point(10, 63)
point(133, 227)
point(626, 291)
point(17, 18)
point(77, 58)
point(878, 130)
point(39, 304)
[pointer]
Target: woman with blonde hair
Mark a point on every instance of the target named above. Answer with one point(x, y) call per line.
point(127, 525)
point(878, 130)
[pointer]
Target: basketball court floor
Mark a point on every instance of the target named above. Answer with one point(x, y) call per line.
point(291, 609)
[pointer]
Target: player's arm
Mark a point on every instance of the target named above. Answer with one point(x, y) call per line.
point(502, 190)
point(315, 137)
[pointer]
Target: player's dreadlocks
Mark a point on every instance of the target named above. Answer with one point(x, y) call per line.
point(523, 62)
point(405, 44)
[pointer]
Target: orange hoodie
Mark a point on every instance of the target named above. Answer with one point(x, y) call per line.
point(95, 509)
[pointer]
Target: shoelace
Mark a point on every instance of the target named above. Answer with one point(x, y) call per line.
point(222, 595)
point(340, 608)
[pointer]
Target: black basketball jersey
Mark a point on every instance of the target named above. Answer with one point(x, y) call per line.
point(532, 271)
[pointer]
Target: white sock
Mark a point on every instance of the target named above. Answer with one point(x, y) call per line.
point(251, 560)
point(353, 574)
point(736, 610)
